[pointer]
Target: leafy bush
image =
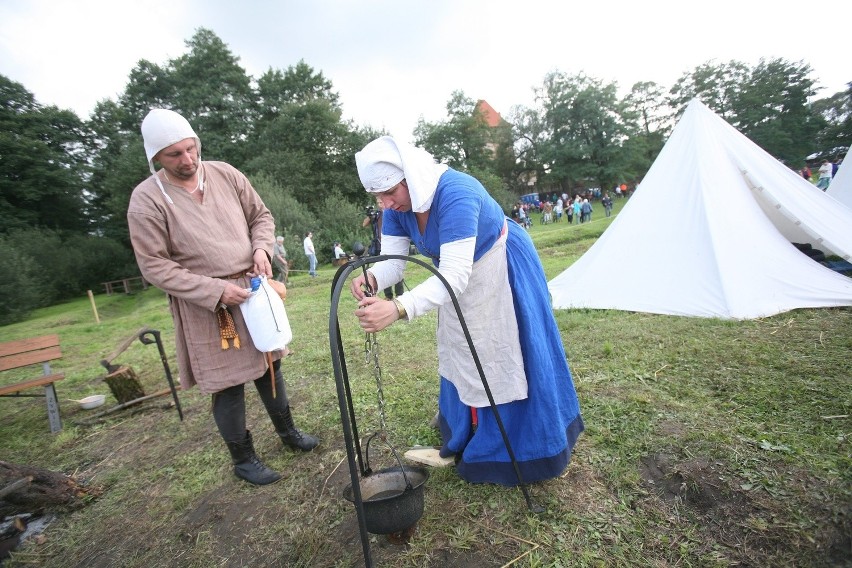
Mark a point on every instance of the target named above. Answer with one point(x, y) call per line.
point(21, 283)
point(55, 267)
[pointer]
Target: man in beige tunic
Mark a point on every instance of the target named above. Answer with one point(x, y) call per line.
point(200, 232)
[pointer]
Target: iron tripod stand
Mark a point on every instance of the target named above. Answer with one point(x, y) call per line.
point(344, 394)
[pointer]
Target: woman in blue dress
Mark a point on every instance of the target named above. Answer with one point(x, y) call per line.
point(494, 271)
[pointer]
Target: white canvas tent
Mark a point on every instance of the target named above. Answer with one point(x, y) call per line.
point(708, 233)
point(841, 185)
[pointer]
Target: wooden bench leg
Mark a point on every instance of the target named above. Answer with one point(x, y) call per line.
point(53, 409)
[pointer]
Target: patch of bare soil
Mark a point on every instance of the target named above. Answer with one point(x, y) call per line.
point(223, 520)
point(748, 524)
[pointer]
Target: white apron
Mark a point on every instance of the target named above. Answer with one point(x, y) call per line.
point(489, 314)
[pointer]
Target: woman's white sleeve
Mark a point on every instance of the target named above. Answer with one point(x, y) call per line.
point(456, 266)
point(389, 272)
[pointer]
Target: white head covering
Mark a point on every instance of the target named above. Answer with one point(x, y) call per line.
point(160, 129)
point(384, 162)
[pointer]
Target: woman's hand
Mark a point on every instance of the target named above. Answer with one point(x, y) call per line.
point(375, 314)
point(358, 285)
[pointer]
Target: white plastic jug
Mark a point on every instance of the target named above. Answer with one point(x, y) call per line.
point(266, 318)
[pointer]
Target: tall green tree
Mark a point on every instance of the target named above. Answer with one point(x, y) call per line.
point(718, 85)
point(42, 163)
point(216, 96)
point(298, 84)
point(466, 141)
point(835, 137)
point(462, 140)
point(118, 165)
point(585, 125)
point(529, 134)
point(767, 103)
point(648, 117)
point(302, 141)
point(774, 112)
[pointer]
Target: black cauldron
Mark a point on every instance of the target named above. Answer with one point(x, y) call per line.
point(392, 498)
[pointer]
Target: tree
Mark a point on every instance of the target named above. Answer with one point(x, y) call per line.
point(118, 165)
point(297, 85)
point(20, 285)
point(649, 119)
point(529, 134)
point(42, 166)
point(467, 142)
point(768, 103)
point(462, 140)
point(716, 85)
point(773, 110)
point(585, 125)
point(836, 114)
point(206, 85)
point(215, 96)
point(308, 151)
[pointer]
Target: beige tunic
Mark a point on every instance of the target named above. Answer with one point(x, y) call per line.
point(186, 249)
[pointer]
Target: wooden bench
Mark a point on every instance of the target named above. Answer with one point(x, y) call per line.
point(24, 352)
point(126, 283)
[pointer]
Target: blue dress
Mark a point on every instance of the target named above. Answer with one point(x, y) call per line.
point(543, 428)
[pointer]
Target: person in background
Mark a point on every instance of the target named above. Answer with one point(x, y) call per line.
point(607, 203)
point(340, 256)
point(374, 220)
point(825, 174)
point(200, 232)
point(279, 259)
point(338, 251)
point(578, 210)
point(495, 272)
point(308, 244)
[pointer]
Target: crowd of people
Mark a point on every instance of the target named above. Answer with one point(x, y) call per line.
point(554, 207)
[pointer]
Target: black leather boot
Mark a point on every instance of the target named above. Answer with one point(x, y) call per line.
point(289, 434)
point(247, 465)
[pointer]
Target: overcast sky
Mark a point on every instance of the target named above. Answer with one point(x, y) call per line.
point(393, 61)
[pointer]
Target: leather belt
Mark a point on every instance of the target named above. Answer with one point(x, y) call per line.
point(236, 275)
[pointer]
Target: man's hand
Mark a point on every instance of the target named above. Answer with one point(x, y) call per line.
point(261, 264)
point(233, 295)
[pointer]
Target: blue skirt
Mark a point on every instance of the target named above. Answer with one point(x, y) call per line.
point(543, 428)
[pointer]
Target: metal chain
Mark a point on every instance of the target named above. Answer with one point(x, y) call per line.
point(371, 351)
point(372, 345)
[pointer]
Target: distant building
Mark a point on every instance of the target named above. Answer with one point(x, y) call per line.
point(493, 120)
point(500, 132)
point(491, 116)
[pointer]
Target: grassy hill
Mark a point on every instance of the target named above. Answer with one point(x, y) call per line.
point(708, 443)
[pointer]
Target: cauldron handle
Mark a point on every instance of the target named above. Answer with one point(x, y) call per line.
point(368, 471)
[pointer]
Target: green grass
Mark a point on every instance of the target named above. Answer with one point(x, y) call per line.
point(707, 443)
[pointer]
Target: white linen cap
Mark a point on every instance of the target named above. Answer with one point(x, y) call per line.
point(160, 129)
point(384, 162)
